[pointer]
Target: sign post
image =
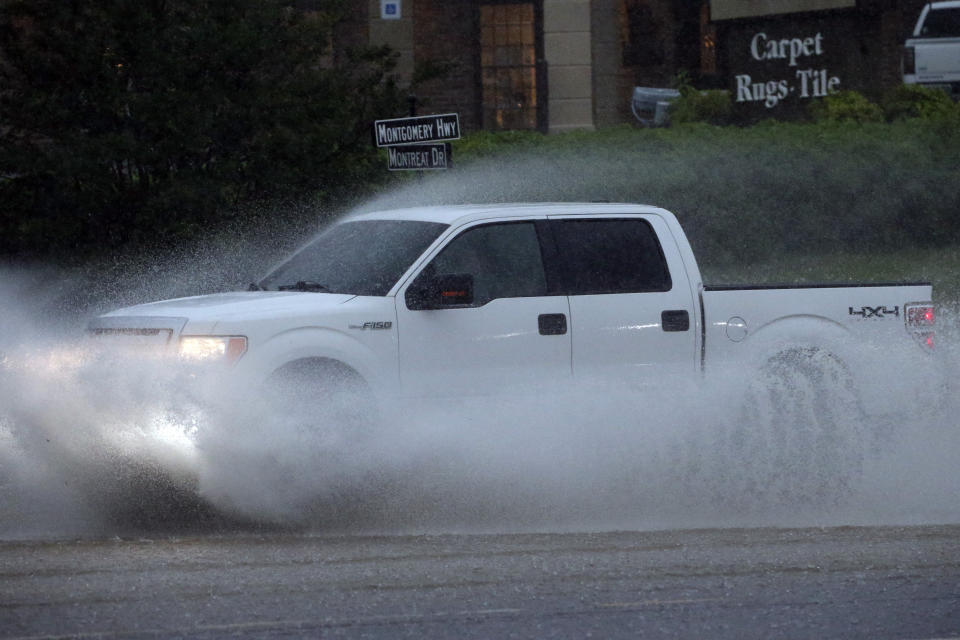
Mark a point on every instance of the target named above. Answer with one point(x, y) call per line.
point(418, 143)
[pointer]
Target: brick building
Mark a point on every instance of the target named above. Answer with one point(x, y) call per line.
point(557, 65)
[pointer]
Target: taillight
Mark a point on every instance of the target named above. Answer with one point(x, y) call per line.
point(921, 320)
point(909, 61)
point(921, 315)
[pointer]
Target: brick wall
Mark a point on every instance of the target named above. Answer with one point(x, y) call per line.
point(649, 35)
point(612, 82)
point(897, 25)
point(445, 33)
point(353, 31)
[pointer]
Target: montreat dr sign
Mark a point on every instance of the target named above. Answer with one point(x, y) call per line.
point(418, 157)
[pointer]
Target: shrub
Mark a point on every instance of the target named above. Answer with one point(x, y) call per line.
point(917, 101)
point(846, 106)
point(126, 123)
point(713, 106)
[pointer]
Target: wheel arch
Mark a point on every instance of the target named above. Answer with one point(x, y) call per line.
point(801, 333)
point(321, 366)
point(322, 348)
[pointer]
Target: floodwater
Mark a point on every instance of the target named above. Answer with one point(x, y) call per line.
point(93, 448)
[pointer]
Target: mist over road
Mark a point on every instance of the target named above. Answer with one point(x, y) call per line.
point(428, 535)
point(736, 583)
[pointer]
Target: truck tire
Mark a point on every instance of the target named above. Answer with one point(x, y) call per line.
point(323, 394)
point(296, 452)
point(799, 437)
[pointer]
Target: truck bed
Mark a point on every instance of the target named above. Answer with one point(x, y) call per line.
point(863, 324)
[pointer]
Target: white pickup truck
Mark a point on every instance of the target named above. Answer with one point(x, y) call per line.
point(483, 299)
point(931, 57)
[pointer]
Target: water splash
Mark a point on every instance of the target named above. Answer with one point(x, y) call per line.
point(97, 447)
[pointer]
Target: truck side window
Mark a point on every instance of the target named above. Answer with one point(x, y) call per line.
point(610, 255)
point(504, 260)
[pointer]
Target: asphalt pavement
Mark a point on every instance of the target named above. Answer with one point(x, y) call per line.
point(737, 583)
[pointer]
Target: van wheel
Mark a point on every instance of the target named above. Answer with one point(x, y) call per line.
point(799, 436)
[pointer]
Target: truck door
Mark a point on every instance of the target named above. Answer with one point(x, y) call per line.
point(512, 335)
point(631, 305)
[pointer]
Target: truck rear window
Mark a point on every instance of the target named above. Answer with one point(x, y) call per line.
point(941, 23)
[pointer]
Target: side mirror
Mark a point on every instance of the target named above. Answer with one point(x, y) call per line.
point(456, 289)
point(438, 292)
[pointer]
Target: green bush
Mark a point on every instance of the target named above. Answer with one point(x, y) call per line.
point(917, 101)
point(713, 107)
point(482, 143)
point(846, 106)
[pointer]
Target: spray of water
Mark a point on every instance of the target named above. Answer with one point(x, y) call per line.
point(93, 446)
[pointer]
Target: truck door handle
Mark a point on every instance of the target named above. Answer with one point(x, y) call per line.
point(675, 320)
point(552, 324)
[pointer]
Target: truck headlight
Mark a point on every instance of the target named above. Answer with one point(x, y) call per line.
point(220, 349)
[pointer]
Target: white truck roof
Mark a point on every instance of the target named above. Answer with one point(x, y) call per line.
point(449, 214)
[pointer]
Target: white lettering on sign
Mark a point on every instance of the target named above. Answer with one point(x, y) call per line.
point(763, 49)
point(770, 92)
point(807, 83)
point(429, 157)
point(446, 129)
point(408, 133)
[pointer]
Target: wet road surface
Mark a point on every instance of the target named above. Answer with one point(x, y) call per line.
point(751, 583)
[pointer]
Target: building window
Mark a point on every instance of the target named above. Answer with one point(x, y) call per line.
point(508, 65)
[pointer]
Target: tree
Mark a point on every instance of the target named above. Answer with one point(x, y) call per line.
point(135, 121)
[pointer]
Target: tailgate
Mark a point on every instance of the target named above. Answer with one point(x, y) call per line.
point(938, 60)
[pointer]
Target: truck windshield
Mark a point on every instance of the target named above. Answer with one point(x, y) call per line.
point(364, 258)
point(942, 23)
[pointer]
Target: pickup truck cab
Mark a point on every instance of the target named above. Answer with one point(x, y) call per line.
point(482, 299)
point(931, 57)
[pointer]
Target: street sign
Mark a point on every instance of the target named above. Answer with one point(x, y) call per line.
point(419, 157)
point(419, 129)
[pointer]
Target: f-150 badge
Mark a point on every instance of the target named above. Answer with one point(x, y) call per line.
point(875, 312)
point(372, 325)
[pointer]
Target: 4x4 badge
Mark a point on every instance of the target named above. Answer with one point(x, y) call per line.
point(875, 312)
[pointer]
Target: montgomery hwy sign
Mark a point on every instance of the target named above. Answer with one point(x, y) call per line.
point(417, 129)
point(418, 157)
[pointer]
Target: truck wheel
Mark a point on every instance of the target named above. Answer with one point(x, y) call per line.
point(799, 439)
point(323, 396)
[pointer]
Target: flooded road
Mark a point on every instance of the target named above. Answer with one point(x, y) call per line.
point(738, 583)
point(608, 515)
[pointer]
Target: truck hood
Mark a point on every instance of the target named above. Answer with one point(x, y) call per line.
point(233, 306)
